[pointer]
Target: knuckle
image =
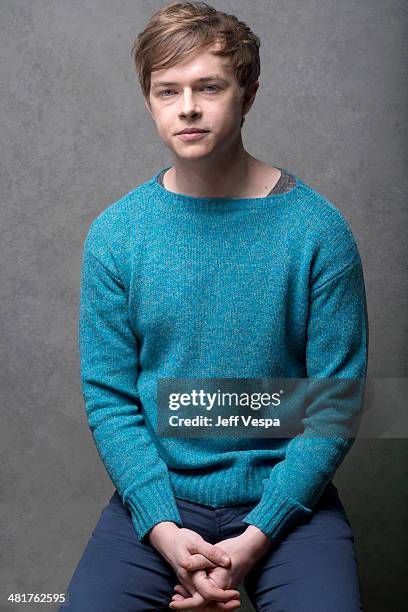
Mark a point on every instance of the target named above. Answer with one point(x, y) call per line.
point(212, 552)
point(181, 573)
point(196, 539)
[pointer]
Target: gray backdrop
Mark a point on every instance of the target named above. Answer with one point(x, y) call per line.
point(76, 135)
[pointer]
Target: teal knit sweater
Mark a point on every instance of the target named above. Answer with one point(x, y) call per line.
point(180, 286)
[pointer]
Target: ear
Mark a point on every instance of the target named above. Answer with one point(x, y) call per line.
point(249, 97)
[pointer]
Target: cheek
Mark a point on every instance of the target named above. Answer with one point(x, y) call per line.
point(163, 121)
point(165, 127)
point(231, 108)
point(228, 116)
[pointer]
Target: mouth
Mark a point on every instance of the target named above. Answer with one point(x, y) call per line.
point(194, 135)
point(191, 131)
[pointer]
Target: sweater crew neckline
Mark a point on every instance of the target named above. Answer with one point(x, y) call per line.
point(171, 199)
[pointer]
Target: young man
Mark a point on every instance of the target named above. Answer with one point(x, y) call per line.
point(220, 266)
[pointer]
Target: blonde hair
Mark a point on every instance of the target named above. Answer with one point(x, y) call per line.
point(181, 30)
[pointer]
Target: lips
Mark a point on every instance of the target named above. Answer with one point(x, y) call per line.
point(192, 136)
point(192, 131)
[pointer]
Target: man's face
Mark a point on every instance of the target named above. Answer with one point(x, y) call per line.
point(179, 100)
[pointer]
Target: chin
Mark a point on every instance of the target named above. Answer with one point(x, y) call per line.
point(197, 154)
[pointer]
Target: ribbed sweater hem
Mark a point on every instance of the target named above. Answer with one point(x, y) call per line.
point(274, 514)
point(150, 506)
point(232, 487)
point(273, 511)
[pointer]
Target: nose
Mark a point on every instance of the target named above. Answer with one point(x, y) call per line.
point(188, 104)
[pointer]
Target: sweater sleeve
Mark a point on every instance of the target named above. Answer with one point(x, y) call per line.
point(109, 361)
point(337, 346)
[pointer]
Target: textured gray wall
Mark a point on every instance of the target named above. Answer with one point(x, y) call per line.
point(76, 135)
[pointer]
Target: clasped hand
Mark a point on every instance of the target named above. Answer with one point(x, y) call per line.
point(206, 577)
point(209, 573)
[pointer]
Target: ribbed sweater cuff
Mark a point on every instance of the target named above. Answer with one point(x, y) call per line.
point(274, 513)
point(151, 506)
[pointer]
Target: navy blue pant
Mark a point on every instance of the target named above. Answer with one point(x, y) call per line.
point(312, 568)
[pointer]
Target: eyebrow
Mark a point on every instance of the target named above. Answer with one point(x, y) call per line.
point(209, 77)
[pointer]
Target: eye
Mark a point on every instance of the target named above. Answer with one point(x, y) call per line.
point(164, 91)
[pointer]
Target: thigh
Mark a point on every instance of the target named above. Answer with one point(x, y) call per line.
point(117, 571)
point(313, 568)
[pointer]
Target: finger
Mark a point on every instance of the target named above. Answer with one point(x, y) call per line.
point(209, 590)
point(199, 599)
point(234, 604)
point(187, 583)
point(196, 562)
point(217, 606)
point(180, 589)
point(231, 605)
point(202, 606)
point(188, 603)
point(212, 552)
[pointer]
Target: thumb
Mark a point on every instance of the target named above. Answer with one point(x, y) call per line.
point(197, 561)
point(212, 553)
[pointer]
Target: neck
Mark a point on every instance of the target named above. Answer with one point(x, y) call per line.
point(229, 175)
